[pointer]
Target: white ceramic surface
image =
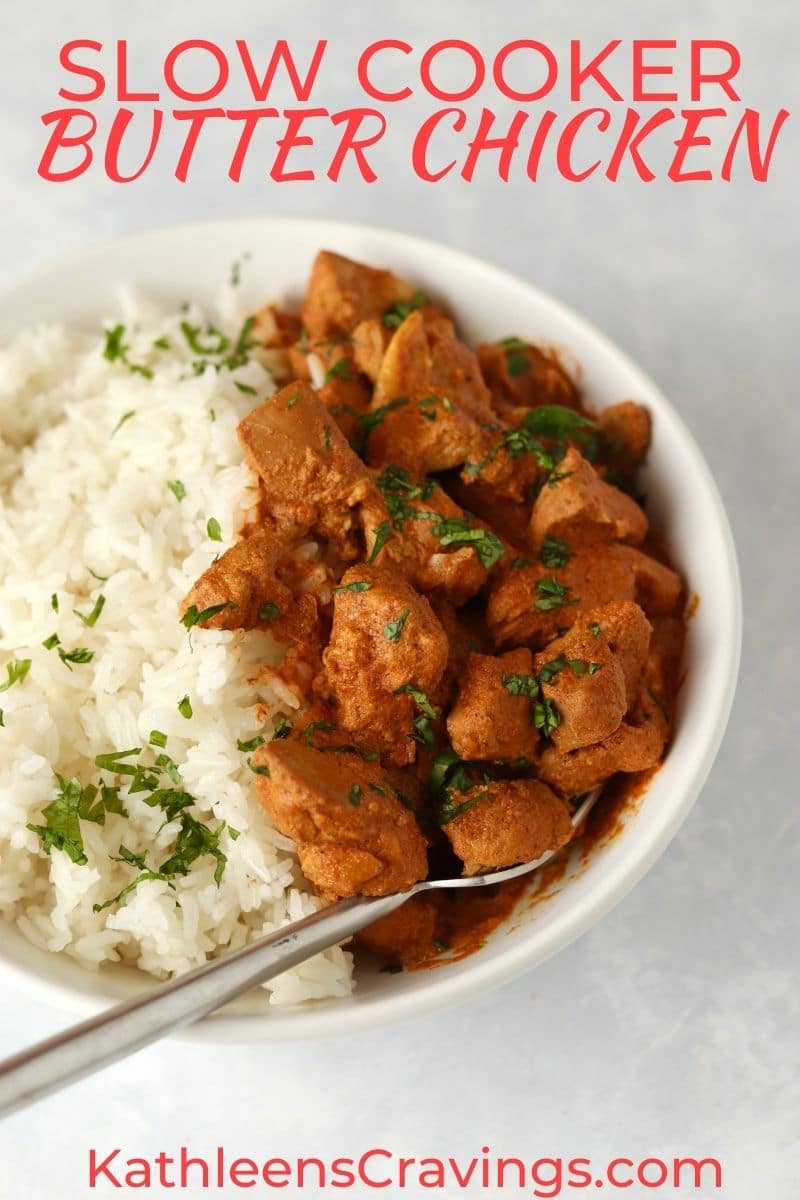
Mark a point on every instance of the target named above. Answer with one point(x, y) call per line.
point(191, 260)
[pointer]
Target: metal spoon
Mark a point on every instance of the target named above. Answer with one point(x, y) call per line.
point(69, 1056)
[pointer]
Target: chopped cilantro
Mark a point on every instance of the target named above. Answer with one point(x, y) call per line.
point(456, 531)
point(192, 617)
point(213, 529)
point(546, 717)
point(177, 488)
point(554, 552)
point(217, 344)
point(283, 727)
point(91, 619)
point(54, 602)
point(393, 630)
point(396, 313)
point(51, 641)
point(451, 809)
point(251, 745)
point(354, 795)
point(552, 594)
point(594, 628)
point(268, 611)
point(368, 421)
point(157, 738)
point(521, 685)
point(185, 707)
point(358, 585)
point(341, 369)
point(125, 417)
point(382, 534)
point(79, 655)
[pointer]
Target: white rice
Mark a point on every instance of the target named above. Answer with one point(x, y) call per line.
point(77, 497)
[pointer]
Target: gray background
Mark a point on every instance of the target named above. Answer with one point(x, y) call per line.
point(672, 1026)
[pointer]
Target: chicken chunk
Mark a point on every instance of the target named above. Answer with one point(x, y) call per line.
point(625, 431)
point(341, 293)
point(531, 603)
point(425, 540)
point(636, 745)
point(354, 836)
point(592, 673)
point(488, 721)
point(370, 342)
point(311, 478)
point(274, 328)
point(427, 399)
point(583, 508)
point(245, 592)
point(658, 587)
point(520, 375)
point(387, 651)
point(501, 823)
point(410, 928)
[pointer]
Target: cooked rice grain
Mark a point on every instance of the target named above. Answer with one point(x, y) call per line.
point(84, 488)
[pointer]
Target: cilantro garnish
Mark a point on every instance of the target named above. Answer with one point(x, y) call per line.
point(393, 630)
point(554, 552)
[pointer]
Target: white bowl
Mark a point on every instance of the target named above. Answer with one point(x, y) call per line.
point(191, 261)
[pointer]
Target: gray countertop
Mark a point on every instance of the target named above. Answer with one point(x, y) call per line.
point(671, 1027)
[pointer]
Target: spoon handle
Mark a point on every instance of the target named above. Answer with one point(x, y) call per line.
point(78, 1051)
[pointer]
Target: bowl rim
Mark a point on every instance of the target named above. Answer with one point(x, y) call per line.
point(332, 1017)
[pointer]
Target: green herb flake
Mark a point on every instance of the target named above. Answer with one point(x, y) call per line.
point(54, 602)
point(455, 531)
point(2, 719)
point(594, 628)
point(268, 611)
point(441, 946)
point(546, 717)
point(358, 585)
point(162, 343)
point(261, 769)
point(178, 489)
point(341, 369)
point(157, 738)
point(249, 746)
point(79, 655)
point(393, 630)
point(125, 417)
point(115, 347)
point(520, 561)
point(368, 421)
point(521, 685)
point(216, 343)
point(552, 594)
point(96, 575)
point(382, 535)
point(283, 727)
point(396, 313)
point(354, 795)
point(312, 728)
point(185, 707)
point(213, 529)
point(193, 617)
point(245, 387)
point(91, 618)
point(452, 809)
point(113, 761)
point(51, 641)
point(552, 668)
point(554, 552)
point(517, 364)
